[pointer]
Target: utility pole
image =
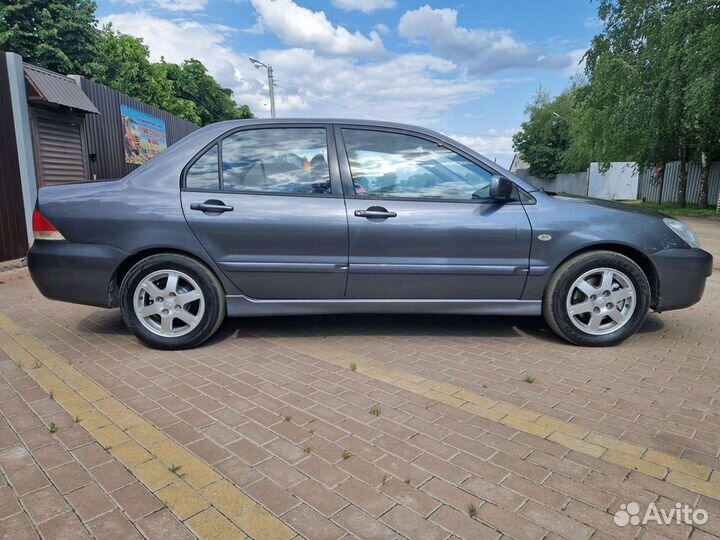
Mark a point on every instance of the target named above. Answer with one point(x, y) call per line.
point(271, 82)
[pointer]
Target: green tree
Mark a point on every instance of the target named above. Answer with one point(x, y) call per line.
point(191, 81)
point(703, 92)
point(627, 111)
point(545, 141)
point(653, 92)
point(56, 34)
point(122, 62)
point(186, 90)
point(63, 36)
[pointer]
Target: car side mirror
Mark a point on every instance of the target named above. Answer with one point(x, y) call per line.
point(501, 188)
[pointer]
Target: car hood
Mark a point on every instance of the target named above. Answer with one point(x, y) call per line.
point(611, 205)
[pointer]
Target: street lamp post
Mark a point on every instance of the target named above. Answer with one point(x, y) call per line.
point(271, 82)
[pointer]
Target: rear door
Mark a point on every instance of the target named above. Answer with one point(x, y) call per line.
point(422, 224)
point(266, 204)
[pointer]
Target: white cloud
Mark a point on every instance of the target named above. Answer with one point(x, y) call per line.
point(301, 27)
point(492, 145)
point(480, 51)
point(168, 5)
point(366, 6)
point(181, 5)
point(577, 62)
point(412, 88)
point(381, 29)
point(179, 40)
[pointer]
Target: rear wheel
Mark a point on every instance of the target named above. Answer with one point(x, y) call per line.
point(597, 299)
point(171, 301)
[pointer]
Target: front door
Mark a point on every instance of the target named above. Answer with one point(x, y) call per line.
point(266, 204)
point(422, 224)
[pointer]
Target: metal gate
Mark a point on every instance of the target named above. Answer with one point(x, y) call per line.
point(59, 148)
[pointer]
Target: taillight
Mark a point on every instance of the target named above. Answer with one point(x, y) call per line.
point(43, 229)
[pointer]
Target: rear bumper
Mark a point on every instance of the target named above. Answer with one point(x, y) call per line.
point(682, 274)
point(78, 273)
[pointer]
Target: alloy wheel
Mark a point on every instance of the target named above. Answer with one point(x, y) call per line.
point(601, 301)
point(169, 303)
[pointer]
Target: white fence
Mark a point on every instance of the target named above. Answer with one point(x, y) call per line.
point(620, 181)
point(641, 186)
point(573, 183)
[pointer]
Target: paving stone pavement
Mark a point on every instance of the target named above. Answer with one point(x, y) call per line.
point(274, 409)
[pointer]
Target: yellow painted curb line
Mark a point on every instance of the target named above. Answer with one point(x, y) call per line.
point(676, 471)
point(210, 506)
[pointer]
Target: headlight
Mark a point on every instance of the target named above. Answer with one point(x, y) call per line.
point(683, 231)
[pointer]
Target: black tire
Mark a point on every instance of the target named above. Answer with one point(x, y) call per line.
point(556, 313)
point(212, 293)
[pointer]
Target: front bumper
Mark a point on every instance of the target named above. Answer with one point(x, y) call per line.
point(681, 274)
point(71, 272)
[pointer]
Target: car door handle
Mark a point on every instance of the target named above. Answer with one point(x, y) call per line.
point(212, 206)
point(375, 213)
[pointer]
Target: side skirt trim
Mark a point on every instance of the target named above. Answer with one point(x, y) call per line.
point(243, 306)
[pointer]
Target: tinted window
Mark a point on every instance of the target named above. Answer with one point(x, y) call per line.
point(204, 173)
point(395, 165)
point(286, 160)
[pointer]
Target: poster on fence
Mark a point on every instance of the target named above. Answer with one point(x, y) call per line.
point(144, 135)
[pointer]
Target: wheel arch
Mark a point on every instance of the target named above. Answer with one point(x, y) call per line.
point(124, 267)
point(632, 253)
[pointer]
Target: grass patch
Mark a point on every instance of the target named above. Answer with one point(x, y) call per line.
point(353, 366)
point(175, 469)
point(346, 454)
point(52, 428)
point(375, 410)
point(529, 379)
point(472, 510)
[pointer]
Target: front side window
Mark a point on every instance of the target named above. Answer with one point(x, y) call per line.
point(204, 174)
point(394, 165)
point(278, 160)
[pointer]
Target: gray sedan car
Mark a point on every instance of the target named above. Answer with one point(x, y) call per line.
point(292, 217)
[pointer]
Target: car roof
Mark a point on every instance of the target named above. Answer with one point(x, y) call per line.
point(340, 121)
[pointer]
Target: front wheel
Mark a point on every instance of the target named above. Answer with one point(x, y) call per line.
point(597, 299)
point(171, 301)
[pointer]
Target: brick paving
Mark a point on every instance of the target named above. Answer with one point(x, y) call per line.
point(295, 433)
point(58, 482)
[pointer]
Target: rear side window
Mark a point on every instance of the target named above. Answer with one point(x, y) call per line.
point(204, 175)
point(278, 160)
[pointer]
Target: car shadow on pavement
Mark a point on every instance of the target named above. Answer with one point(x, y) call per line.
point(385, 325)
point(476, 326)
point(390, 325)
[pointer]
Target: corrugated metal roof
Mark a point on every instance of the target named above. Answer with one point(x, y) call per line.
point(58, 89)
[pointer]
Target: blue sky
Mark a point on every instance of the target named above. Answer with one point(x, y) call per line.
point(466, 69)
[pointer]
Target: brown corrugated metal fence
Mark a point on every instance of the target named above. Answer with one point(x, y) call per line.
point(104, 132)
point(13, 236)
